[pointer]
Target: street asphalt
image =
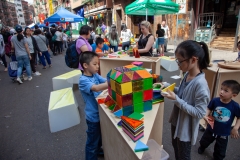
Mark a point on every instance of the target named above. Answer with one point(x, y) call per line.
point(24, 126)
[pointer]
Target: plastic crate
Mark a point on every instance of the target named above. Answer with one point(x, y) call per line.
point(155, 152)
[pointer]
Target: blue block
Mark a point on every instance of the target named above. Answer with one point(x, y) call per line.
point(140, 146)
point(147, 106)
point(127, 110)
point(118, 113)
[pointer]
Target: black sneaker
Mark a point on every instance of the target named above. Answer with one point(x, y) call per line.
point(200, 150)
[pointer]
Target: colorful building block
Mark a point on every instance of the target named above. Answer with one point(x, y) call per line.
point(125, 100)
point(127, 110)
point(144, 74)
point(124, 88)
point(136, 76)
point(138, 107)
point(137, 85)
point(112, 83)
point(114, 95)
point(116, 108)
point(125, 78)
point(130, 66)
point(129, 74)
point(147, 106)
point(147, 83)
point(147, 95)
point(119, 78)
point(137, 97)
point(109, 91)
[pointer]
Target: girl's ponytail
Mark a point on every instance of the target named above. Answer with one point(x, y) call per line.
point(206, 58)
point(20, 36)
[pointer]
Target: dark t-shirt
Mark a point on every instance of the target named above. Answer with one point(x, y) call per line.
point(53, 30)
point(142, 42)
point(224, 115)
point(160, 33)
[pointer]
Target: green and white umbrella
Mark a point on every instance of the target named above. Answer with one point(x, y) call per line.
point(151, 7)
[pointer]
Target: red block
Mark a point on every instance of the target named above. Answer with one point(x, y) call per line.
point(147, 95)
point(119, 99)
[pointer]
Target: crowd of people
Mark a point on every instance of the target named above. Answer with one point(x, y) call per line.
point(31, 46)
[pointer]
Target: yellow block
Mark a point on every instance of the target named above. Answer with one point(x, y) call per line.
point(126, 88)
point(113, 86)
point(61, 98)
point(171, 88)
point(69, 74)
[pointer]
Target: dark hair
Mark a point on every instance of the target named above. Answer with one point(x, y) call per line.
point(25, 30)
point(91, 29)
point(85, 30)
point(238, 43)
point(36, 26)
point(86, 57)
point(19, 36)
point(123, 27)
point(233, 85)
point(159, 26)
point(113, 32)
point(190, 48)
point(99, 40)
point(37, 32)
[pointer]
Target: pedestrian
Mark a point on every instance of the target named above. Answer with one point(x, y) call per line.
point(191, 98)
point(126, 36)
point(53, 44)
point(59, 40)
point(166, 35)
point(160, 36)
point(99, 30)
point(91, 84)
point(146, 40)
point(113, 38)
point(33, 48)
point(23, 56)
point(43, 46)
point(92, 37)
point(103, 28)
point(82, 44)
point(2, 52)
point(221, 112)
point(238, 46)
point(65, 40)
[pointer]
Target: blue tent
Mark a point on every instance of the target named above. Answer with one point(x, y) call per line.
point(62, 15)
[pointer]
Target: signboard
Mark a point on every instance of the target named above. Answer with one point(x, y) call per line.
point(182, 5)
point(50, 7)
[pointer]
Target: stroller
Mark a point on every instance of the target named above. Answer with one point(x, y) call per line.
point(12, 68)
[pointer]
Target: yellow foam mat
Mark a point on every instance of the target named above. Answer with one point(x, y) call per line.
point(61, 98)
point(69, 74)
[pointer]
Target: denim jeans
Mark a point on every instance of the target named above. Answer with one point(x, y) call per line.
point(220, 146)
point(115, 48)
point(47, 56)
point(24, 60)
point(125, 45)
point(94, 140)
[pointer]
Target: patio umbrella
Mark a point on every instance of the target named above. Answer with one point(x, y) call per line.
point(62, 16)
point(151, 7)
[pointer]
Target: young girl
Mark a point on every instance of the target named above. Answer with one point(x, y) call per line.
point(113, 38)
point(191, 98)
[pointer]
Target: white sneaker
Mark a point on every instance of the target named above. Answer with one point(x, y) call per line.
point(37, 73)
point(19, 80)
point(29, 78)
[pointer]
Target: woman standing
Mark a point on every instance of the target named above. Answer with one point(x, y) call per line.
point(82, 44)
point(113, 38)
point(126, 35)
point(160, 35)
point(22, 53)
point(43, 46)
point(33, 48)
point(2, 52)
point(59, 39)
point(146, 40)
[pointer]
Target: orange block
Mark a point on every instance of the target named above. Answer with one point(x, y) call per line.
point(144, 73)
point(119, 99)
point(130, 66)
point(132, 122)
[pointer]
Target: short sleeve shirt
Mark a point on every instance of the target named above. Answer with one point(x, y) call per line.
point(94, 47)
point(91, 105)
point(30, 44)
point(19, 46)
point(160, 32)
point(224, 115)
point(80, 42)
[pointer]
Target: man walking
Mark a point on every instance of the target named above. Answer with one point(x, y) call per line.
point(166, 35)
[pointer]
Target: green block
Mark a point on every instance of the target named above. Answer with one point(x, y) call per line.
point(112, 107)
point(138, 107)
point(137, 97)
point(136, 115)
point(114, 95)
point(112, 76)
point(119, 78)
point(136, 68)
point(147, 83)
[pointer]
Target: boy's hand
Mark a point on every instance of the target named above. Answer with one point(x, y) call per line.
point(234, 133)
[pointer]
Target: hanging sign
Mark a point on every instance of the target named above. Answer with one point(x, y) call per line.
point(182, 5)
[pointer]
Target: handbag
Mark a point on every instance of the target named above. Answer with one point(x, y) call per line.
point(54, 38)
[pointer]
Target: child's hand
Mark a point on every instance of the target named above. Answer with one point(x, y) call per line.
point(234, 133)
point(171, 95)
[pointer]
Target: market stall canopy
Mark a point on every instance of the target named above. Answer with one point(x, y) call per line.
point(62, 15)
point(151, 7)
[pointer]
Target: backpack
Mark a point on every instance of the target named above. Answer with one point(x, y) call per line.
point(72, 56)
point(54, 38)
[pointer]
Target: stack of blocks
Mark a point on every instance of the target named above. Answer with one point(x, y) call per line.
point(130, 89)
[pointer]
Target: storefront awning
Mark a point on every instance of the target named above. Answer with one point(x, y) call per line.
point(97, 12)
